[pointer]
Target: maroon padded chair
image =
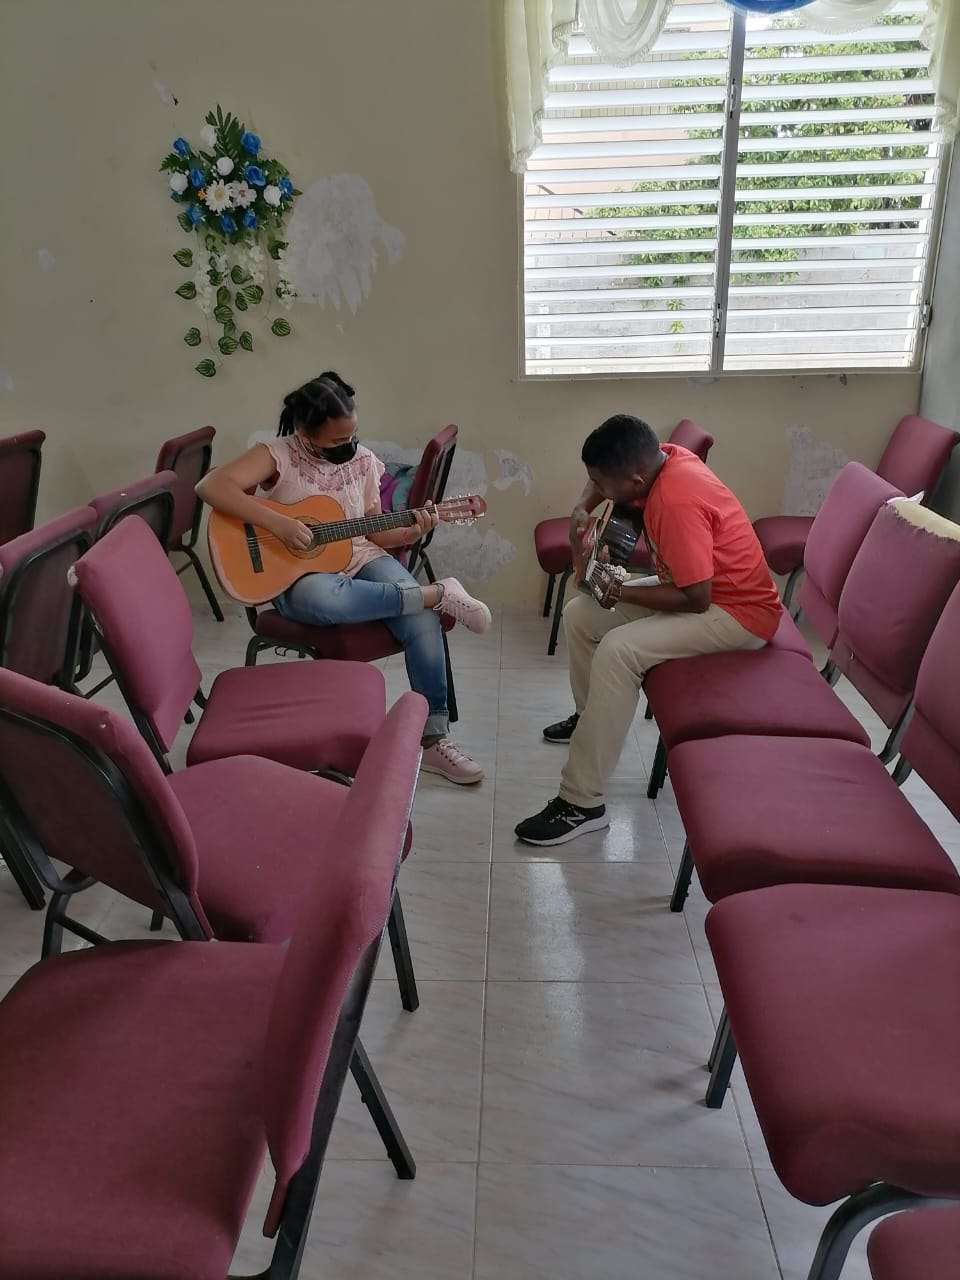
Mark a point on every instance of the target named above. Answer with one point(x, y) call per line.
point(21, 458)
point(153, 500)
point(913, 461)
point(552, 542)
point(916, 1245)
point(825, 812)
point(843, 1002)
point(316, 717)
point(189, 457)
point(368, 641)
point(189, 1063)
point(40, 624)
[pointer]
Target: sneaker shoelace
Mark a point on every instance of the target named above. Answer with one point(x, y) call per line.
point(451, 751)
point(453, 606)
point(558, 808)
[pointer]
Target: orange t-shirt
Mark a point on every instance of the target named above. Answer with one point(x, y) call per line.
point(697, 530)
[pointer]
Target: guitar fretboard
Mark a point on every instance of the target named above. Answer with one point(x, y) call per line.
point(360, 527)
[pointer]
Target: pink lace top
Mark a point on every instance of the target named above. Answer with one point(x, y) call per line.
point(354, 484)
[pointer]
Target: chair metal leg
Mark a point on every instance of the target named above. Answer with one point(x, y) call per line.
point(718, 1040)
point(891, 748)
point(548, 598)
point(156, 922)
point(830, 672)
point(659, 771)
point(558, 610)
point(452, 712)
point(854, 1214)
point(902, 772)
point(681, 886)
point(204, 581)
point(427, 567)
point(648, 712)
point(53, 926)
point(400, 946)
point(253, 648)
point(376, 1103)
point(24, 876)
point(790, 585)
point(724, 1059)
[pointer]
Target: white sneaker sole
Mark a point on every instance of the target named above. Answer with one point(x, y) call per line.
point(591, 824)
point(460, 782)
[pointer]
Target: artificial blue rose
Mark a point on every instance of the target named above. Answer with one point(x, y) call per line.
point(194, 215)
point(227, 224)
point(249, 220)
point(255, 176)
point(250, 143)
point(197, 178)
point(182, 147)
point(286, 186)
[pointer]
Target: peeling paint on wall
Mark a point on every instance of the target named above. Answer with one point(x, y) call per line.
point(513, 471)
point(335, 240)
point(812, 466)
point(46, 260)
point(165, 94)
point(6, 380)
point(470, 551)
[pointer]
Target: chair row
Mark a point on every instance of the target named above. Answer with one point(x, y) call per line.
point(145, 1083)
point(836, 919)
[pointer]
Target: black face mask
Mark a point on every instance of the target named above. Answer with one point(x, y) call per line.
point(341, 452)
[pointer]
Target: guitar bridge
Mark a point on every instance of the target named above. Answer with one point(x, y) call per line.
point(253, 546)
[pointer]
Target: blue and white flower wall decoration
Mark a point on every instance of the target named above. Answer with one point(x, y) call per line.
point(237, 200)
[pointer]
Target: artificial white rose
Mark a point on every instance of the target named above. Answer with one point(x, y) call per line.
point(272, 196)
point(224, 166)
point(208, 136)
point(178, 183)
point(217, 197)
point(241, 194)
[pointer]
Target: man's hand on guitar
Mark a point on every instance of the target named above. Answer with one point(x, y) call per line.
point(294, 534)
point(581, 525)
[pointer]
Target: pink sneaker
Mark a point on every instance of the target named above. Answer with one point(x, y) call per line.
point(451, 762)
point(456, 603)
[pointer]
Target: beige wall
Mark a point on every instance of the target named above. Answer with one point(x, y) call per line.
point(403, 92)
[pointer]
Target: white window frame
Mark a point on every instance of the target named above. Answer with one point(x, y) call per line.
point(725, 246)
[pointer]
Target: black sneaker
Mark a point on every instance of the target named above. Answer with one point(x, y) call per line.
point(560, 822)
point(562, 731)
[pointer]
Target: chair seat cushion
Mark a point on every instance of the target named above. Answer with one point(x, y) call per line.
point(766, 691)
point(317, 715)
point(818, 812)
point(789, 638)
point(351, 642)
point(783, 539)
point(260, 829)
point(923, 1244)
point(131, 1124)
point(552, 541)
point(843, 1004)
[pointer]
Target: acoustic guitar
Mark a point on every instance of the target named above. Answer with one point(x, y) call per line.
point(612, 537)
point(254, 566)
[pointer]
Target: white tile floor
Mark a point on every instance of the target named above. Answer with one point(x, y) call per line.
point(551, 1084)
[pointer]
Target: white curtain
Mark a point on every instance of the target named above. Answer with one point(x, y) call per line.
point(623, 31)
point(941, 35)
point(843, 15)
point(537, 32)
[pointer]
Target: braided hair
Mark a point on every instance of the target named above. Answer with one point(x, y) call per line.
point(318, 401)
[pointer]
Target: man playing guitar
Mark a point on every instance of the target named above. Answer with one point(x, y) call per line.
point(712, 592)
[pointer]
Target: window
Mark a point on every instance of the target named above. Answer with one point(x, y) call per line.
point(754, 196)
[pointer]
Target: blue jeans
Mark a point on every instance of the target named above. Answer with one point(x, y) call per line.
point(383, 591)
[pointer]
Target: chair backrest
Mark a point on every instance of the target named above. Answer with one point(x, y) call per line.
point(429, 485)
point(20, 462)
point(329, 964)
point(39, 615)
point(689, 436)
point(900, 580)
point(146, 629)
point(916, 455)
point(152, 499)
point(931, 743)
point(835, 537)
point(189, 457)
point(79, 784)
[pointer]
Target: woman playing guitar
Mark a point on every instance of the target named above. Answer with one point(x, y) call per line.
point(316, 453)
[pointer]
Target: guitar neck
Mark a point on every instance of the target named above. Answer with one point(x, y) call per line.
point(340, 530)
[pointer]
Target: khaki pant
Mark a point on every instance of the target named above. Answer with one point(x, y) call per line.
point(609, 652)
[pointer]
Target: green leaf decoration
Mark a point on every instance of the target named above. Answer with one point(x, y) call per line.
point(206, 369)
point(192, 337)
point(214, 277)
point(223, 296)
point(246, 340)
point(187, 290)
point(184, 257)
point(223, 315)
point(227, 345)
point(253, 293)
point(275, 246)
point(184, 222)
point(239, 276)
point(229, 329)
point(211, 243)
point(241, 301)
point(281, 327)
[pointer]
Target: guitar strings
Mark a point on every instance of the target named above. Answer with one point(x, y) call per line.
point(265, 536)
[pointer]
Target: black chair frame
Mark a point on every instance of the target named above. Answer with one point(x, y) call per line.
point(188, 543)
point(33, 492)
